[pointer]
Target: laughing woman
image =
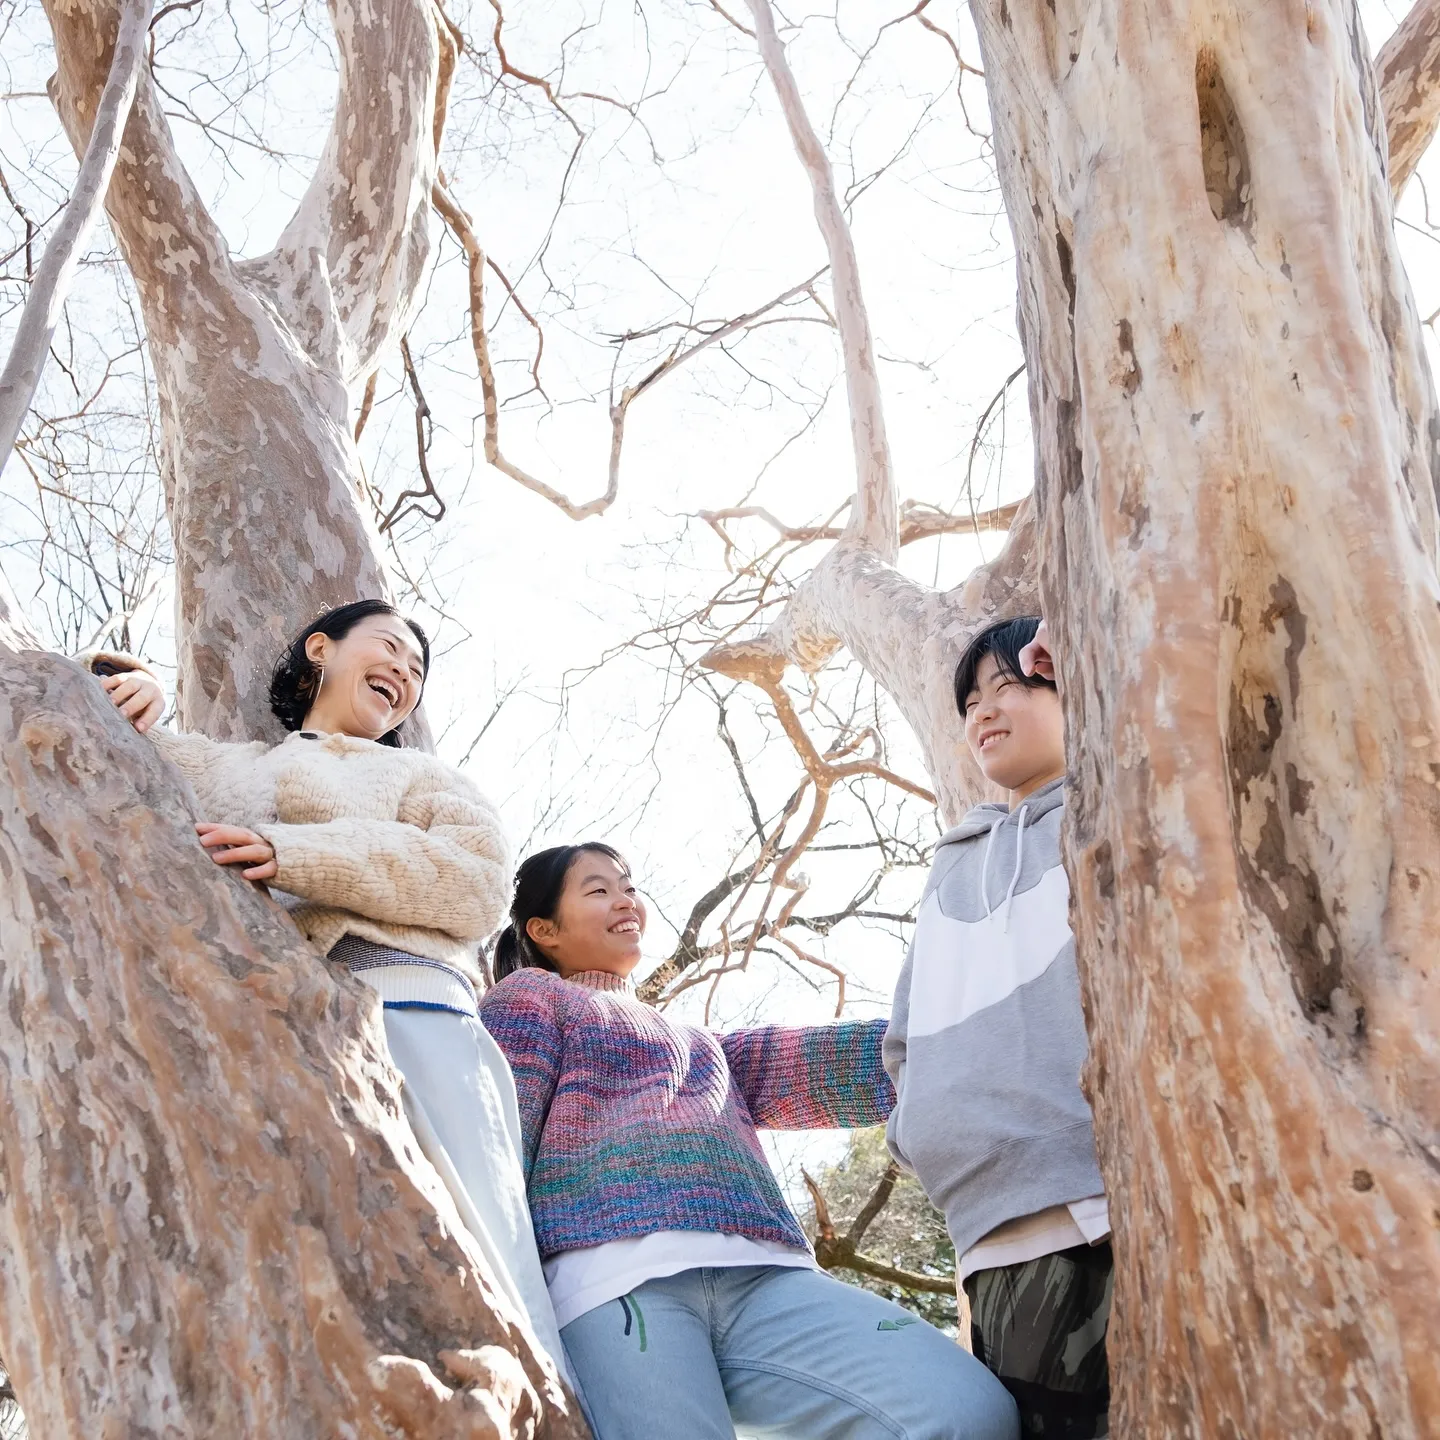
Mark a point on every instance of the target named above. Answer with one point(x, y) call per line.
point(687, 1294)
point(395, 865)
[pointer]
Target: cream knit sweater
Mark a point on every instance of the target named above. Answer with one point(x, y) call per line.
point(391, 845)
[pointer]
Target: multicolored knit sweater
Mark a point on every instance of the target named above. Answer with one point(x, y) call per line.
point(633, 1123)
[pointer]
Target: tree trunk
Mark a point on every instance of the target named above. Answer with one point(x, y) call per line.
point(1237, 467)
point(255, 360)
point(214, 1220)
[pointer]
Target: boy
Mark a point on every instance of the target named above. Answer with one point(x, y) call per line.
point(985, 1047)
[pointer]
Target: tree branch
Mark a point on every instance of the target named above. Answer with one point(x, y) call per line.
point(841, 1252)
point(1408, 69)
point(873, 518)
point(52, 279)
point(348, 265)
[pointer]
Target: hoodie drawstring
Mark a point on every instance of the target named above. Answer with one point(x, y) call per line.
point(1019, 856)
point(985, 868)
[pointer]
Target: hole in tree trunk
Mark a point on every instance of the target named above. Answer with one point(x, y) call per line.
point(1223, 155)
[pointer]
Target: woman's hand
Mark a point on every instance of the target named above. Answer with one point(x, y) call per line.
point(235, 845)
point(1036, 658)
point(137, 696)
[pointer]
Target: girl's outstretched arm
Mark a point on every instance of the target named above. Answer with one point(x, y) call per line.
point(812, 1077)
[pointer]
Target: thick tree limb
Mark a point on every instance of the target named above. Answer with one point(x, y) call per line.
point(1408, 69)
point(214, 1220)
point(51, 282)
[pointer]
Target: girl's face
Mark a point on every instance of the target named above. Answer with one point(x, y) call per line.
point(371, 680)
point(1015, 732)
point(599, 921)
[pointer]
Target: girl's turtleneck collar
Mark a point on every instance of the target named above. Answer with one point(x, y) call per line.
point(603, 980)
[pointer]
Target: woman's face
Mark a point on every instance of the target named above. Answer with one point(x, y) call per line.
point(371, 680)
point(599, 921)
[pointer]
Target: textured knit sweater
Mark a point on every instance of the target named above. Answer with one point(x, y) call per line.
point(633, 1123)
point(391, 845)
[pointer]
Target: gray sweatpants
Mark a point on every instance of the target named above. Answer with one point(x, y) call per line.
point(460, 1100)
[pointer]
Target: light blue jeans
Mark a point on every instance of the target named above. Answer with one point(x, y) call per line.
point(775, 1351)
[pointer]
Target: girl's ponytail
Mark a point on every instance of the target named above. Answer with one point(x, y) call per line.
point(508, 955)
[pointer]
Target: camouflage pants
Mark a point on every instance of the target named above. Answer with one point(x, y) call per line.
point(1040, 1327)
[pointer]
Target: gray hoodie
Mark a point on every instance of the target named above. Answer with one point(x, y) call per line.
point(987, 1038)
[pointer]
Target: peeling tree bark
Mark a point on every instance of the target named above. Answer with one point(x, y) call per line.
point(255, 360)
point(1237, 489)
point(1408, 67)
point(214, 1219)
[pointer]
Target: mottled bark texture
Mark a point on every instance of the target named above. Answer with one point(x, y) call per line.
point(1408, 67)
point(255, 360)
point(1237, 469)
point(214, 1220)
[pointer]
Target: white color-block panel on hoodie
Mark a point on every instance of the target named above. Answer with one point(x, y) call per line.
point(1015, 944)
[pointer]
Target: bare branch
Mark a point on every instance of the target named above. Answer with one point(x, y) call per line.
point(463, 228)
point(873, 518)
point(62, 254)
point(837, 1252)
point(1408, 69)
point(918, 521)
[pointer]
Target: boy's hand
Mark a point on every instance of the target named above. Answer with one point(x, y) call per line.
point(1036, 658)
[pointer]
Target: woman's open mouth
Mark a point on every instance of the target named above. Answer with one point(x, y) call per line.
point(386, 690)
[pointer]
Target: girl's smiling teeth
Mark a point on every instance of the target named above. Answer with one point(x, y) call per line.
point(990, 736)
point(386, 690)
point(628, 926)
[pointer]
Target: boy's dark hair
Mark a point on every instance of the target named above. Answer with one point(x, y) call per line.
point(296, 679)
point(539, 883)
point(1004, 640)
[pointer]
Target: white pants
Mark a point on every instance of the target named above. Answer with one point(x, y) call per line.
point(460, 1100)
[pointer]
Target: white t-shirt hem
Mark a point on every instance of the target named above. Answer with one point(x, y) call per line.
point(1061, 1227)
point(583, 1280)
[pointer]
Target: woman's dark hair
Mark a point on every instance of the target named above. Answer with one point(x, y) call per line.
point(539, 883)
point(1004, 640)
point(296, 678)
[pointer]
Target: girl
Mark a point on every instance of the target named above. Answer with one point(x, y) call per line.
point(688, 1299)
point(394, 864)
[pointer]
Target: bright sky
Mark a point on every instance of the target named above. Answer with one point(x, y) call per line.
point(715, 216)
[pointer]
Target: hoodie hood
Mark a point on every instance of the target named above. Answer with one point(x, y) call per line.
point(982, 818)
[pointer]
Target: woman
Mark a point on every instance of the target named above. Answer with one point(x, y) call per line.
point(688, 1299)
point(394, 864)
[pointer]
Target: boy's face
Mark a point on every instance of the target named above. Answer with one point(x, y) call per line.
point(1014, 731)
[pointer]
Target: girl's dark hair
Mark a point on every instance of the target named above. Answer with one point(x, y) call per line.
point(539, 883)
point(295, 680)
point(1004, 640)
